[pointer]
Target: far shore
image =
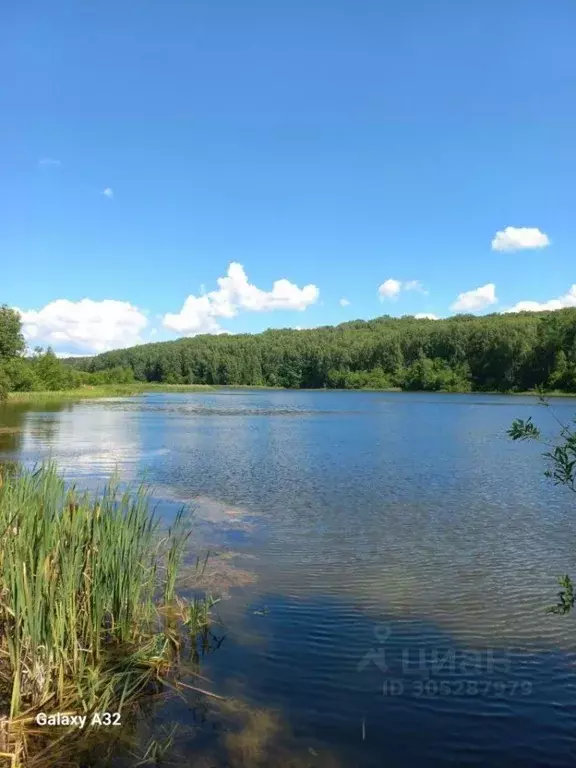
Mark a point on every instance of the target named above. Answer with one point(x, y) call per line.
point(129, 390)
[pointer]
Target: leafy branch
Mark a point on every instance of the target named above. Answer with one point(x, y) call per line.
point(562, 471)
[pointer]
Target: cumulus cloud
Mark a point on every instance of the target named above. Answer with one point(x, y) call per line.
point(479, 298)
point(196, 316)
point(425, 316)
point(84, 326)
point(390, 289)
point(519, 239)
point(201, 314)
point(49, 162)
point(567, 300)
point(109, 193)
point(344, 302)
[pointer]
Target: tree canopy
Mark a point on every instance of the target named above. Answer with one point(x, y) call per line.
point(11, 339)
point(497, 352)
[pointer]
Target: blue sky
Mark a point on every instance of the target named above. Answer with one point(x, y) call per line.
point(336, 145)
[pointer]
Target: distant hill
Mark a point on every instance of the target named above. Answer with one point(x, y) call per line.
point(506, 352)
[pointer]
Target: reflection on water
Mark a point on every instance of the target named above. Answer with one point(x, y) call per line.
point(333, 515)
point(85, 441)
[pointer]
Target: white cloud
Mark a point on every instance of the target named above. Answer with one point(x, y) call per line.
point(567, 300)
point(479, 298)
point(109, 193)
point(389, 289)
point(84, 326)
point(344, 302)
point(49, 162)
point(426, 316)
point(200, 314)
point(196, 316)
point(519, 238)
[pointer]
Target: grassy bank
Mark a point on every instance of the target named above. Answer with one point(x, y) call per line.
point(89, 616)
point(105, 390)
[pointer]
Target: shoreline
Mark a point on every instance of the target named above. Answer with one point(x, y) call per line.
point(133, 390)
point(101, 391)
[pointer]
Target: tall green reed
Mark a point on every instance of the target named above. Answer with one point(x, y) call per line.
point(80, 618)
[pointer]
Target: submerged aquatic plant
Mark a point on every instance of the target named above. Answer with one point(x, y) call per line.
point(89, 614)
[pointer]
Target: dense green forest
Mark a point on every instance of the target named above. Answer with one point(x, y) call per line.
point(498, 352)
point(502, 352)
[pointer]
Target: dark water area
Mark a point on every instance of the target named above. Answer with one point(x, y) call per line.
point(385, 561)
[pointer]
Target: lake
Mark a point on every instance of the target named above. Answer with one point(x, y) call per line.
point(385, 561)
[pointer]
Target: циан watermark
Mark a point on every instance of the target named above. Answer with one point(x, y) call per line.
point(447, 671)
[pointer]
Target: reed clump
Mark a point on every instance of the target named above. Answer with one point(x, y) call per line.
point(89, 615)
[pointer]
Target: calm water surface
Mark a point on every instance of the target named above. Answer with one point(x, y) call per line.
point(388, 559)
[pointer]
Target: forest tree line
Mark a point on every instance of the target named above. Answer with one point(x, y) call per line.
point(497, 352)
